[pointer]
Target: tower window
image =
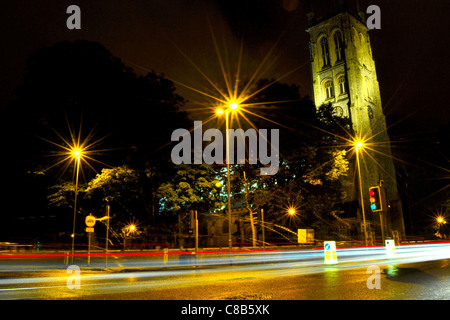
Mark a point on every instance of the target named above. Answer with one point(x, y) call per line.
point(325, 52)
point(329, 89)
point(339, 46)
point(370, 112)
point(341, 82)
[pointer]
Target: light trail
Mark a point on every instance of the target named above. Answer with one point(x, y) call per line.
point(144, 273)
point(188, 259)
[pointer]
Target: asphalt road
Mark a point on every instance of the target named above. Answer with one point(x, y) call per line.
point(310, 279)
point(427, 280)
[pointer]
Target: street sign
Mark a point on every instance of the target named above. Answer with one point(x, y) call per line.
point(89, 229)
point(390, 248)
point(305, 235)
point(90, 221)
point(330, 252)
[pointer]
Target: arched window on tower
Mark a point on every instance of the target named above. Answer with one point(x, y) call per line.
point(328, 86)
point(339, 46)
point(341, 83)
point(325, 52)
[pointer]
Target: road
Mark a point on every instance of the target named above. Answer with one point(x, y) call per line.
point(418, 272)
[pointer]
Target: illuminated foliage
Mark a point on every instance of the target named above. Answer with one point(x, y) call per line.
point(193, 187)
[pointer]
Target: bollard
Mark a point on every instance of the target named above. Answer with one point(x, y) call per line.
point(390, 248)
point(330, 252)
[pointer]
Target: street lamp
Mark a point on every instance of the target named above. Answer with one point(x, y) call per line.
point(127, 230)
point(359, 146)
point(76, 154)
point(441, 221)
point(75, 150)
point(232, 106)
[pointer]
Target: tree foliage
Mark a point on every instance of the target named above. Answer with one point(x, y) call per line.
point(193, 187)
point(312, 159)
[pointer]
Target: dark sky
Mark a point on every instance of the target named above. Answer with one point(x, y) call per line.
point(411, 50)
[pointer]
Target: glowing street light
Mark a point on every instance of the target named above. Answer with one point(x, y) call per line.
point(359, 147)
point(77, 154)
point(75, 150)
point(127, 231)
point(292, 211)
point(440, 220)
point(233, 106)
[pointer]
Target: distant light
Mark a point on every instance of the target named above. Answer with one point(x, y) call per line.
point(291, 211)
point(359, 144)
point(76, 152)
point(233, 105)
point(219, 111)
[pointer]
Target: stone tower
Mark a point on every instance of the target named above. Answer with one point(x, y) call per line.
point(344, 74)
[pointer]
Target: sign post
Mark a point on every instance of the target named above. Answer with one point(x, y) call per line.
point(165, 255)
point(90, 223)
point(330, 252)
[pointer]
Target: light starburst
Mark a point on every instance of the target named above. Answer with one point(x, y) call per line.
point(76, 149)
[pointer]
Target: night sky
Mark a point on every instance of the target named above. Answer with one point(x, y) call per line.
point(410, 50)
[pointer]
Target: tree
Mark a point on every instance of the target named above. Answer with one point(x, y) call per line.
point(312, 159)
point(193, 187)
point(122, 188)
point(80, 85)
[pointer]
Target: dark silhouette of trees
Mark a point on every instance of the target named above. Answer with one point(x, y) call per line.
point(80, 88)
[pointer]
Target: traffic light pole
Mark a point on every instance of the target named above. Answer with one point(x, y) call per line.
point(382, 213)
point(379, 204)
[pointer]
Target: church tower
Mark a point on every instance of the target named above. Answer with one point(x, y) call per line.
point(344, 75)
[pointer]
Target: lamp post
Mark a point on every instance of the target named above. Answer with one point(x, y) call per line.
point(359, 145)
point(107, 234)
point(127, 230)
point(232, 106)
point(76, 153)
point(441, 221)
point(263, 229)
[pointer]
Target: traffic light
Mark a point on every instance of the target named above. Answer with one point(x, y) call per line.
point(376, 199)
